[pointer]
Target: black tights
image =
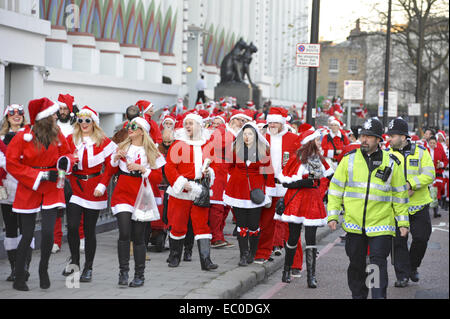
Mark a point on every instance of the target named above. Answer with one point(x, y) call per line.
point(90, 217)
point(294, 234)
point(130, 230)
point(48, 218)
point(247, 218)
point(11, 221)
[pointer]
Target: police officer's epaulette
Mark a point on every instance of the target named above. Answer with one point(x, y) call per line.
point(387, 149)
point(395, 158)
point(351, 152)
point(421, 146)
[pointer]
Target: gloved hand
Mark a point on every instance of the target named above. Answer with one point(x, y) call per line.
point(51, 176)
point(303, 183)
point(63, 163)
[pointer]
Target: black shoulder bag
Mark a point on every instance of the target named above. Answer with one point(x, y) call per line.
point(280, 207)
point(256, 195)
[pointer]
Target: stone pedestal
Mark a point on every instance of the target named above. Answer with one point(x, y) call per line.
point(86, 56)
point(153, 66)
point(243, 93)
point(58, 52)
point(111, 60)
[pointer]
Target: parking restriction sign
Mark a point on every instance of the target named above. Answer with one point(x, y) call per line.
point(308, 55)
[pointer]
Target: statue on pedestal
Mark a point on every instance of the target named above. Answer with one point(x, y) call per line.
point(236, 64)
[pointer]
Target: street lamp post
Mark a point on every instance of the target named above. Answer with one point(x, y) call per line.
point(386, 67)
point(312, 72)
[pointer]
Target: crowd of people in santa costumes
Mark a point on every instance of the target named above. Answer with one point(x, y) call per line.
point(191, 168)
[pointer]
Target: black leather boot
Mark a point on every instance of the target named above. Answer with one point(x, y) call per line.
point(20, 276)
point(44, 279)
point(243, 250)
point(311, 267)
point(123, 249)
point(204, 246)
point(176, 248)
point(86, 275)
point(188, 245)
point(139, 265)
point(12, 262)
point(253, 243)
point(288, 260)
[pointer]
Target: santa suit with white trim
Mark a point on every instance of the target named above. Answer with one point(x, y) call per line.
point(35, 192)
point(87, 177)
point(440, 136)
point(185, 159)
point(280, 142)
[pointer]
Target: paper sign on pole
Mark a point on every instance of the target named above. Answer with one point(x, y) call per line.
point(392, 104)
point(353, 90)
point(414, 109)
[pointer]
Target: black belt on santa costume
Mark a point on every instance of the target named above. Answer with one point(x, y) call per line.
point(43, 167)
point(132, 174)
point(86, 177)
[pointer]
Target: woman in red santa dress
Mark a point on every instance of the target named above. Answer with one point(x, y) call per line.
point(88, 181)
point(138, 162)
point(186, 165)
point(334, 142)
point(303, 200)
point(32, 158)
point(251, 161)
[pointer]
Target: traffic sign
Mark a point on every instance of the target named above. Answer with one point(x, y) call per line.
point(392, 103)
point(308, 55)
point(353, 90)
point(414, 109)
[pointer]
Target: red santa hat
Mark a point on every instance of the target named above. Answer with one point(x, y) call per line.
point(144, 105)
point(204, 114)
point(222, 116)
point(193, 116)
point(334, 120)
point(67, 100)
point(239, 113)
point(250, 104)
point(441, 134)
point(39, 109)
point(169, 118)
point(305, 127)
point(143, 123)
point(415, 138)
point(87, 111)
point(277, 115)
point(308, 136)
point(199, 104)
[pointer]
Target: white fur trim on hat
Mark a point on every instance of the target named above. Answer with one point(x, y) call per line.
point(276, 118)
point(245, 116)
point(148, 107)
point(92, 115)
point(311, 137)
point(197, 118)
point(142, 123)
point(47, 112)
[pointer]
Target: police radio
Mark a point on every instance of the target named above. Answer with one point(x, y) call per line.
point(384, 174)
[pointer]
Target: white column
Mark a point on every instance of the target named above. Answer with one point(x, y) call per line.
point(2, 85)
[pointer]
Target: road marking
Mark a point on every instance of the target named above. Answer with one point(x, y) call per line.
point(441, 224)
point(277, 287)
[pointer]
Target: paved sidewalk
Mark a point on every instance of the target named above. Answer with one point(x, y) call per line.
point(187, 281)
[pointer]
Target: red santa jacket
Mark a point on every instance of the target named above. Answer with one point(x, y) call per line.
point(2, 162)
point(26, 162)
point(284, 141)
point(155, 133)
point(438, 155)
point(331, 143)
point(185, 159)
point(348, 148)
point(91, 160)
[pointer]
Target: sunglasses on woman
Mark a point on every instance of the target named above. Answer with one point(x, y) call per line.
point(132, 126)
point(86, 120)
point(18, 111)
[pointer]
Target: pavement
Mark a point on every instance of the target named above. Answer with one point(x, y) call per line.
point(187, 281)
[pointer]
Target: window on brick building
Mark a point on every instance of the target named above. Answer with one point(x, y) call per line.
point(332, 88)
point(333, 65)
point(352, 65)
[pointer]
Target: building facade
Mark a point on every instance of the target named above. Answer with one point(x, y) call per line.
point(110, 53)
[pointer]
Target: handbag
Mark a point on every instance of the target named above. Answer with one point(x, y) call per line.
point(203, 200)
point(280, 207)
point(145, 208)
point(257, 195)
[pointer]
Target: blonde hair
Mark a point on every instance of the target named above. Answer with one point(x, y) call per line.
point(97, 134)
point(6, 126)
point(151, 151)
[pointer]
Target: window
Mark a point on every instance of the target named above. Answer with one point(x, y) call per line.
point(333, 65)
point(332, 88)
point(352, 65)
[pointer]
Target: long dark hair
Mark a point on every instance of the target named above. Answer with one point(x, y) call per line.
point(308, 150)
point(45, 132)
point(257, 151)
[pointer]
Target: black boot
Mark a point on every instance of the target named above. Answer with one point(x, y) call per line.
point(311, 267)
point(12, 261)
point(253, 243)
point(27, 263)
point(139, 265)
point(160, 240)
point(204, 245)
point(243, 250)
point(176, 248)
point(188, 245)
point(86, 275)
point(20, 276)
point(436, 212)
point(123, 249)
point(71, 267)
point(44, 279)
point(288, 260)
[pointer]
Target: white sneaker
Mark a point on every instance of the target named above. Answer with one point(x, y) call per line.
point(82, 245)
point(55, 249)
